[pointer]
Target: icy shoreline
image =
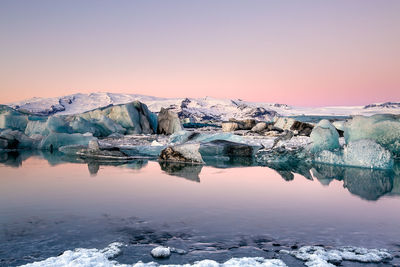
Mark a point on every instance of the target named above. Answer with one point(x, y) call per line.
point(310, 255)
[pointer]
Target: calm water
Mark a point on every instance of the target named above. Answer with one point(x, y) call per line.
point(49, 204)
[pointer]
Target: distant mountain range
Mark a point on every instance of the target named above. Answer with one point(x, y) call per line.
point(197, 109)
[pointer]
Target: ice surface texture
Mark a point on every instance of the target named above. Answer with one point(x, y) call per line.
point(131, 118)
point(315, 256)
point(383, 129)
point(311, 255)
point(324, 137)
point(82, 257)
point(160, 252)
point(362, 153)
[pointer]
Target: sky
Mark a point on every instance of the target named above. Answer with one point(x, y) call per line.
point(304, 53)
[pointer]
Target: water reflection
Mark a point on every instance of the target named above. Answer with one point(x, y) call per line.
point(188, 171)
point(368, 184)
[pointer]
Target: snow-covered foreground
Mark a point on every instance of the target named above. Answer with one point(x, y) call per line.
point(311, 255)
point(199, 108)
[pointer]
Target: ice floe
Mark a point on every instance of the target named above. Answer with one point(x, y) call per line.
point(313, 256)
point(316, 256)
point(82, 257)
point(160, 252)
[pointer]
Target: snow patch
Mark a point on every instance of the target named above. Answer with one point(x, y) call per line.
point(82, 257)
point(315, 256)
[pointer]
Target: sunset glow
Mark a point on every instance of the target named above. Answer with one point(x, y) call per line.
point(306, 53)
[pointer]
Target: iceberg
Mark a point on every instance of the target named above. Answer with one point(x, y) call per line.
point(168, 122)
point(131, 118)
point(324, 136)
point(14, 139)
point(362, 153)
point(37, 127)
point(57, 131)
point(384, 129)
point(188, 152)
point(12, 119)
point(56, 140)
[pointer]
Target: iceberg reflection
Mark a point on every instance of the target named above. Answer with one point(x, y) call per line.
point(368, 184)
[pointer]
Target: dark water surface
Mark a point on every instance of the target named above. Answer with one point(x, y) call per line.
point(49, 204)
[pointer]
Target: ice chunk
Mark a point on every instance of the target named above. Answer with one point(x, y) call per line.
point(56, 140)
point(37, 126)
point(185, 136)
point(168, 122)
point(143, 150)
point(363, 153)
point(134, 117)
point(16, 140)
point(261, 126)
point(383, 129)
point(205, 138)
point(84, 257)
point(58, 124)
point(339, 125)
point(98, 127)
point(160, 252)
point(188, 152)
point(315, 256)
point(128, 118)
point(45, 125)
point(12, 119)
point(227, 148)
point(284, 123)
point(324, 137)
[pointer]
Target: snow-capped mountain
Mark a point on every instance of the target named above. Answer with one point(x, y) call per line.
point(198, 109)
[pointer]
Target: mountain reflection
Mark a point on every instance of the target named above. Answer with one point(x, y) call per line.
point(368, 184)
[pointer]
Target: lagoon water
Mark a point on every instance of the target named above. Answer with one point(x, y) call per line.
point(49, 204)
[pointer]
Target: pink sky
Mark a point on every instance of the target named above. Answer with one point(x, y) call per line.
point(313, 54)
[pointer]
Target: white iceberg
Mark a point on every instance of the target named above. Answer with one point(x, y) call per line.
point(383, 129)
point(363, 153)
point(324, 136)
